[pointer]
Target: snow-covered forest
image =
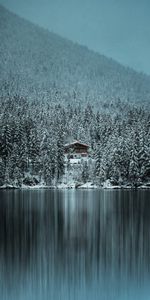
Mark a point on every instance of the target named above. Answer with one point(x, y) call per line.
point(54, 91)
point(36, 63)
point(33, 134)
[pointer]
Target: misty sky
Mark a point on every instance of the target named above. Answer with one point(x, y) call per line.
point(117, 28)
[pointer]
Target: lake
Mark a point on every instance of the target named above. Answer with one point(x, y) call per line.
point(74, 244)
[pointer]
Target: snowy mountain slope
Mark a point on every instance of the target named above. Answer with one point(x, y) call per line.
point(41, 65)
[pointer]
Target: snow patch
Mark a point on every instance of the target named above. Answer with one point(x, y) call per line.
point(108, 185)
point(69, 185)
point(88, 185)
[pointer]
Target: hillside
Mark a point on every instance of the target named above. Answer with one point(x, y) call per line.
point(43, 66)
point(41, 74)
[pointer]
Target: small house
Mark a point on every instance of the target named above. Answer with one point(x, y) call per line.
point(76, 150)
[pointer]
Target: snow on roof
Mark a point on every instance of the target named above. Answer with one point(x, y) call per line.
point(76, 142)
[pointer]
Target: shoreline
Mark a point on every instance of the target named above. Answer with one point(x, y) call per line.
point(79, 187)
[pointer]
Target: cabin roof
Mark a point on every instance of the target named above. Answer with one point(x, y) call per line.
point(76, 143)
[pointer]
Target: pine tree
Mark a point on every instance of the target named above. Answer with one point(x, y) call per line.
point(60, 155)
point(34, 148)
point(2, 172)
point(98, 156)
point(47, 170)
point(6, 143)
point(134, 168)
point(23, 155)
point(85, 172)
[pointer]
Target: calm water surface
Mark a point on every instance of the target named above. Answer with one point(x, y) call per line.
point(81, 245)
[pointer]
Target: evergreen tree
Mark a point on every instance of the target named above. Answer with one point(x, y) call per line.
point(98, 156)
point(134, 168)
point(6, 143)
point(60, 155)
point(85, 172)
point(2, 172)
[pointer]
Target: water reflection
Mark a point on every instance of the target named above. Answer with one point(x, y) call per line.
point(74, 244)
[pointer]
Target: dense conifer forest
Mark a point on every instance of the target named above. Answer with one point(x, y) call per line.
point(33, 134)
point(53, 91)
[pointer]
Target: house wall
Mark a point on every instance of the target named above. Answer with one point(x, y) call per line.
point(76, 149)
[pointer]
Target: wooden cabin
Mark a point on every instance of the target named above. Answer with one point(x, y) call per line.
point(76, 150)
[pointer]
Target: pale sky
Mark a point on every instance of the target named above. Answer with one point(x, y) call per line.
point(116, 28)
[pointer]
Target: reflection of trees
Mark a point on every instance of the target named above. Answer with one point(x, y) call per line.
point(111, 233)
point(18, 229)
point(18, 237)
point(51, 235)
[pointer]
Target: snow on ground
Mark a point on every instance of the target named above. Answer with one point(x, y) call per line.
point(69, 185)
point(147, 186)
point(72, 185)
point(8, 186)
point(37, 186)
point(108, 185)
point(88, 185)
point(77, 185)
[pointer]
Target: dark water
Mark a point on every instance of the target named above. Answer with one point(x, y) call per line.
point(81, 245)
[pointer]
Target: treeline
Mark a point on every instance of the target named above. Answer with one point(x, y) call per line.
point(33, 134)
